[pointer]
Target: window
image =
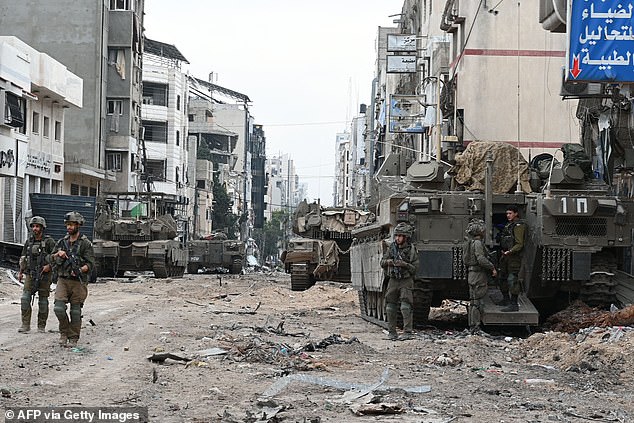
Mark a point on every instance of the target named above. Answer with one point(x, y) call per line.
point(113, 162)
point(190, 118)
point(58, 130)
point(115, 107)
point(200, 183)
point(35, 125)
point(155, 94)
point(178, 102)
point(178, 137)
point(155, 169)
point(74, 189)
point(46, 130)
point(155, 131)
point(13, 110)
point(120, 4)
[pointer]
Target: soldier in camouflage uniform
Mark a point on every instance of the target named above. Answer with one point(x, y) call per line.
point(74, 258)
point(400, 262)
point(479, 266)
point(34, 265)
point(512, 243)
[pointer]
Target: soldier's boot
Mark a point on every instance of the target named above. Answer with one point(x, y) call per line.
point(408, 322)
point(42, 314)
point(59, 308)
point(513, 306)
point(506, 300)
point(75, 324)
point(25, 308)
point(391, 311)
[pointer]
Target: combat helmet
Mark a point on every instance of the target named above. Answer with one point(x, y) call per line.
point(74, 217)
point(475, 227)
point(37, 220)
point(403, 229)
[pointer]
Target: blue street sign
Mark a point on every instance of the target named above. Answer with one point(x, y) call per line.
point(600, 41)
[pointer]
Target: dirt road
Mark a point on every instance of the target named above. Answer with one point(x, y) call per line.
point(257, 351)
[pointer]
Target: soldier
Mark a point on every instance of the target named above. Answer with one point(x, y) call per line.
point(400, 262)
point(477, 260)
point(512, 243)
point(74, 258)
point(33, 263)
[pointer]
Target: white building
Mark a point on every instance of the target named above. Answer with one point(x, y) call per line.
point(35, 90)
point(284, 190)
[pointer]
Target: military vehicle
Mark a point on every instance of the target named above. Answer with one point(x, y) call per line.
point(216, 252)
point(309, 260)
point(578, 242)
point(322, 252)
point(139, 232)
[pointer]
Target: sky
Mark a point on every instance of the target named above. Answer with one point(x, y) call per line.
point(305, 65)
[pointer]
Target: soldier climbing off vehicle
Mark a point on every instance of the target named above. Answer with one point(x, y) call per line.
point(74, 258)
point(36, 268)
point(400, 262)
point(512, 243)
point(478, 266)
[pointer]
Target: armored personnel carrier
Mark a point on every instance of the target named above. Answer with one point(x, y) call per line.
point(216, 252)
point(139, 232)
point(578, 240)
point(322, 252)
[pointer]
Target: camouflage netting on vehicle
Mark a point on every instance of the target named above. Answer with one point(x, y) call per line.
point(470, 168)
point(311, 217)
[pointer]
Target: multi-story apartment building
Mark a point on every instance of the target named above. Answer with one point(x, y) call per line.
point(35, 92)
point(456, 74)
point(351, 181)
point(164, 119)
point(341, 192)
point(101, 41)
point(258, 172)
point(284, 192)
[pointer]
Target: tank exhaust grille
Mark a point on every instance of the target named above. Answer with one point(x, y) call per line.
point(581, 226)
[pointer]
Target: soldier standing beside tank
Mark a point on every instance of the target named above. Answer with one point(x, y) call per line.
point(74, 258)
point(512, 243)
point(400, 262)
point(34, 264)
point(479, 265)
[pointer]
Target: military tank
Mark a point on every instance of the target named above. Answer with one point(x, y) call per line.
point(216, 252)
point(322, 251)
point(139, 232)
point(578, 243)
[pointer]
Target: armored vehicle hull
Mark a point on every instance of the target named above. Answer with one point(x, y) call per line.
point(214, 254)
point(138, 232)
point(578, 245)
point(309, 260)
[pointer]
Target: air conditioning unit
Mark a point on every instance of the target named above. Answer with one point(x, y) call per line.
point(578, 89)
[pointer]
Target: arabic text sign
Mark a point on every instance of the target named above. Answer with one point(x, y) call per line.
point(401, 64)
point(601, 41)
point(401, 42)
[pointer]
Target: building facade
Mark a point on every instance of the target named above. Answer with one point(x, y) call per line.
point(101, 42)
point(35, 93)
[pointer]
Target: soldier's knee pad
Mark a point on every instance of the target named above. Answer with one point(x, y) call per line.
point(42, 302)
point(75, 312)
point(25, 301)
point(391, 307)
point(406, 307)
point(59, 307)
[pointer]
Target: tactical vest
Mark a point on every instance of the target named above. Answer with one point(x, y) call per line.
point(407, 254)
point(35, 252)
point(507, 240)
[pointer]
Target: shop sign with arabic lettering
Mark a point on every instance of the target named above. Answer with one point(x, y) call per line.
point(601, 41)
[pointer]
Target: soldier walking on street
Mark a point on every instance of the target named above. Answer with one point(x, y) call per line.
point(479, 265)
point(400, 262)
point(74, 258)
point(512, 243)
point(34, 265)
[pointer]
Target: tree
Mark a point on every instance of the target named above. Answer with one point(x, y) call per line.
point(222, 217)
point(269, 237)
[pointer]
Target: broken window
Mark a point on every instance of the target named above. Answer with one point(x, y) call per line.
point(13, 111)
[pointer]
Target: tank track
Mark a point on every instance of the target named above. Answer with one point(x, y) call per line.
point(600, 290)
point(164, 270)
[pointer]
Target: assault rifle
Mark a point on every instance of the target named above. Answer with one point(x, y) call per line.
point(396, 255)
point(36, 274)
point(75, 267)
